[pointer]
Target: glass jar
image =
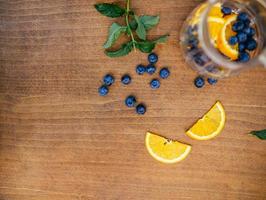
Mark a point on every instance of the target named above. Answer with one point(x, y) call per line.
point(199, 45)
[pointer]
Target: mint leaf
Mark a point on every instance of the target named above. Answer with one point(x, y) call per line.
point(114, 32)
point(110, 10)
point(161, 39)
point(149, 21)
point(146, 46)
point(133, 24)
point(141, 32)
point(124, 50)
point(260, 134)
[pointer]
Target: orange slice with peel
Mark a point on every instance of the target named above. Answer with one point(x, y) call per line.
point(165, 150)
point(222, 41)
point(210, 125)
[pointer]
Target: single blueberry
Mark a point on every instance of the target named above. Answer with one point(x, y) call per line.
point(249, 31)
point(251, 45)
point(190, 30)
point(226, 10)
point(126, 79)
point(241, 47)
point(200, 59)
point(193, 41)
point(247, 22)
point(243, 57)
point(130, 101)
point(153, 58)
point(233, 40)
point(243, 16)
point(242, 37)
point(164, 73)
point(141, 109)
point(238, 26)
point(155, 84)
point(103, 90)
point(199, 82)
point(151, 69)
point(212, 81)
point(108, 79)
point(140, 69)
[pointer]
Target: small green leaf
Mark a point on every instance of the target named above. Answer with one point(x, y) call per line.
point(161, 39)
point(114, 32)
point(141, 32)
point(146, 46)
point(149, 21)
point(260, 134)
point(133, 24)
point(124, 50)
point(110, 10)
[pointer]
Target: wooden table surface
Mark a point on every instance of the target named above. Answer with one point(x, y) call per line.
point(61, 141)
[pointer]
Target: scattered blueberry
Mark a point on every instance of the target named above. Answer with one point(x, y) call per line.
point(243, 57)
point(108, 79)
point(242, 37)
point(226, 10)
point(155, 84)
point(103, 90)
point(130, 101)
point(199, 82)
point(212, 81)
point(151, 69)
point(238, 26)
point(241, 47)
point(140, 69)
point(164, 73)
point(153, 58)
point(251, 45)
point(141, 109)
point(233, 40)
point(243, 16)
point(126, 79)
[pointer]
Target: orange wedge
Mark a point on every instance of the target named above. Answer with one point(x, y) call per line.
point(222, 41)
point(165, 150)
point(210, 125)
point(215, 25)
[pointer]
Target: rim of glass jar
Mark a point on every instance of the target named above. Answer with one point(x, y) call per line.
point(214, 55)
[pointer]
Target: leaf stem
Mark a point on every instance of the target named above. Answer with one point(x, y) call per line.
point(128, 26)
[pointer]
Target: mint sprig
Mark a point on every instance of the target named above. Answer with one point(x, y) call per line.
point(136, 28)
point(259, 134)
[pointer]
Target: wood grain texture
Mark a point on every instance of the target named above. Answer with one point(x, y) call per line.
point(60, 140)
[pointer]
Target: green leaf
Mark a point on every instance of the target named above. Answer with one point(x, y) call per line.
point(133, 24)
point(124, 50)
point(110, 10)
point(149, 21)
point(114, 32)
point(260, 134)
point(161, 39)
point(141, 32)
point(146, 46)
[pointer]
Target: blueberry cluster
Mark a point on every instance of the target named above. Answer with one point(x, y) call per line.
point(244, 37)
point(199, 81)
point(108, 80)
point(151, 69)
point(131, 101)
